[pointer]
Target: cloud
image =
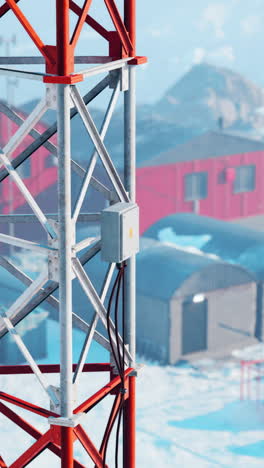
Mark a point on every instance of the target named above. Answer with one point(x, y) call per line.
point(215, 15)
point(251, 24)
point(225, 53)
point(160, 31)
point(199, 55)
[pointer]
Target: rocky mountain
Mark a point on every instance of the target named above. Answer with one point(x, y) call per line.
point(207, 93)
point(192, 106)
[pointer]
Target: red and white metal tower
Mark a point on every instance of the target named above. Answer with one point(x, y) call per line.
point(66, 258)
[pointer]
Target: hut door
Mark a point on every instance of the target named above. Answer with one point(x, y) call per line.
point(194, 326)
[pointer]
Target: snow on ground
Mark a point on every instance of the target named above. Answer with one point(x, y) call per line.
point(188, 415)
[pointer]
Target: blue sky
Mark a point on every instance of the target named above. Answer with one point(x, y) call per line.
point(174, 37)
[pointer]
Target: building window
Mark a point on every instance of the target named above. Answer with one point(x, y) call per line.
point(195, 186)
point(245, 180)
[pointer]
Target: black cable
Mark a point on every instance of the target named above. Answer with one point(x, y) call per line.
point(122, 365)
point(116, 325)
point(108, 321)
point(118, 362)
point(110, 430)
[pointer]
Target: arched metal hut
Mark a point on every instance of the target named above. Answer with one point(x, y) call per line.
point(230, 242)
point(190, 305)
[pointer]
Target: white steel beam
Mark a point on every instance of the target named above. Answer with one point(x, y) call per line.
point(96, 302)
point(27, 195)
point(22, 74)
point(90, 334)
point(25, 244)
point(93, 160)
point(31, 218)
point(65, 248)
point(114, 65)
point(28, 357)
point(25, 128)
point(12, 115)
point(99, 145)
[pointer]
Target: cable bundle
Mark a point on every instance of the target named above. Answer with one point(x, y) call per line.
point(119, 358)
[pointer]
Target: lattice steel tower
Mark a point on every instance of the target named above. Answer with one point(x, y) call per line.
point(66, 258)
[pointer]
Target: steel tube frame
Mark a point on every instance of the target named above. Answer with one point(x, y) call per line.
point(129, 414)
point(59, 61)
point(65, 253)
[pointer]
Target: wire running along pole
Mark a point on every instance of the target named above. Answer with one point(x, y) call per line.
point(59, 61)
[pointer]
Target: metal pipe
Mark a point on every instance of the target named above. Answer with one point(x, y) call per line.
point(129, 444)
point(129, 418)
point(65, 246)
point(130, 185)
point(94, 157)
point(65, 62)
point(130, 22)
point(66, 447)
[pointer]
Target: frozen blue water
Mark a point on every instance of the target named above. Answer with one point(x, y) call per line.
point(234, 417)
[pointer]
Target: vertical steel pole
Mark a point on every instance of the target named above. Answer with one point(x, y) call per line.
point(64, 67)
point(65, 282)
point(129, 420)
point(130, 184)
point(65, 60)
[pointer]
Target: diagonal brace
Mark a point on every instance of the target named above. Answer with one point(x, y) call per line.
point(99, 145)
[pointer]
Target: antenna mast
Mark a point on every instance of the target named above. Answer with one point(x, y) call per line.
point(66, 258)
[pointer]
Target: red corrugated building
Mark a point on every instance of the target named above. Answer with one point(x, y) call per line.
point(215, 174)
point(39, 171)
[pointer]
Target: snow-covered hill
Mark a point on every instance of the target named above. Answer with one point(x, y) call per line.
point(208, 92)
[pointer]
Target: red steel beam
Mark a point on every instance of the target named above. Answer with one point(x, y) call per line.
point(80, 23)
point(65, 58)
point(98, 396)
point(90, 21)
point(89, 447)
point(3, 10)
point(119, 25)
point(36, 449)
point(2, 463)
point(67, 447)
point(27, 406)
point(29, 29)
point(130, 22)
point(22, 423)
point(53, 368)
point(110, 423)
point(32, 431)
point(129, 452)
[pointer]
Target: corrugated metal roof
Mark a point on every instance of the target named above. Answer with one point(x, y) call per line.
point(228, 241)
point(164, 271)
point(206, 146)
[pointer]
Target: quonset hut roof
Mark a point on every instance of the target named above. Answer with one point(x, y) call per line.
point(164, 271)
point(228, 241)
point(206, 146)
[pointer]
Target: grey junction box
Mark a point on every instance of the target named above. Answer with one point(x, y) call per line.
point(120, 232)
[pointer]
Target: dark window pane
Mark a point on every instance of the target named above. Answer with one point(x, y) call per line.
point(245, 180)
point(195, 186)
